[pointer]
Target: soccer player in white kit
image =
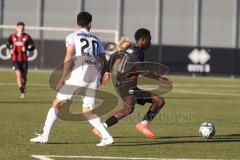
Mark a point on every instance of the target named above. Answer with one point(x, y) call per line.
point(85, 50)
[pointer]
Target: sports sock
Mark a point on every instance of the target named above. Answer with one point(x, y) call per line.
point(144, 122)
point(96, 122)
point(149, 116)
point(105, 125)
point(111, 121)
point(51, 118)
point(21, 89)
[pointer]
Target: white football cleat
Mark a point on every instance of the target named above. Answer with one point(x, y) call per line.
point(39, 139)
point(22, 95)
point(105, 142)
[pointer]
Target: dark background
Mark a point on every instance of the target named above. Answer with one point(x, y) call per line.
point(224, 61)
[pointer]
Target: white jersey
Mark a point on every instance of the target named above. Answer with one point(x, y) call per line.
point(86, 46)
point(85, 43)
point(85, 75)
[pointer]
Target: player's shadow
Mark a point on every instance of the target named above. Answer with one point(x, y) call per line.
point(71, 142)
point(160, 140)
point(231, 138)
point(162, 137)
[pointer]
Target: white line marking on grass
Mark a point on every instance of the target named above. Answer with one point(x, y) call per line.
point(49, 157)
point(206, 85)
point(151, 86)
point(206, 93)
point(203, 92)
point(15, 84)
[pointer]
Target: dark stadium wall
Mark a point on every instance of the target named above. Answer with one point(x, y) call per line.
point(203, 61)
point(180, 59)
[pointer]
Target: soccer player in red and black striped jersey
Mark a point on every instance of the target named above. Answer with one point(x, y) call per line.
point(19, 43)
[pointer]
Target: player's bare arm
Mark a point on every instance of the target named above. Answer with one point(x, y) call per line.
point(105, 74)
point(67, 65)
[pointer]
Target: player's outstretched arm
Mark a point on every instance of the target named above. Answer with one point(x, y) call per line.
point(30, 44)
point(9, 45)
point(104, 78)
point(67, 64)
point(166, 80)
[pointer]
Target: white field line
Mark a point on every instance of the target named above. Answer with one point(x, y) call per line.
point(50, 157)
point(30, 84)
point(151, 86)
point(205, 93)
point(206, 85)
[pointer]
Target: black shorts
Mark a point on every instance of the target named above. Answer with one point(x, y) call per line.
point(22, 66)
point(128, 88)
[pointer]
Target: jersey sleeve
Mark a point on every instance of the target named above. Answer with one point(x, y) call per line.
point(69, 40)
point(30, 44)
point(101, 49)
point(112, 60)
point(9, 42)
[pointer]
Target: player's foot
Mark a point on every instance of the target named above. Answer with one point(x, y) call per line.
point(39, 139)
point(22, 95)
point(96, 133)
point(144, 129)
point(105, 142)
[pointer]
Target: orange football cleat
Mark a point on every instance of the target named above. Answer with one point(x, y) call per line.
point(144, 129)
point(97, 133)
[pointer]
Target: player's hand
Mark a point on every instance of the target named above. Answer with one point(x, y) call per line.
point(105, 78)
point(60, 84)
point(12, 51)
point(23, 49)
point(166, 80)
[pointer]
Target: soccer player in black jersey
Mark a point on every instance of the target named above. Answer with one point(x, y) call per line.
point(19, 43)
point(126, 84)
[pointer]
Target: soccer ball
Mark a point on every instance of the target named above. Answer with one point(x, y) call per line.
point(207, 130)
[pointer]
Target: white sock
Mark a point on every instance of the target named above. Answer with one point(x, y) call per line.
point(105, 125)
point(96, 122)
point(144, 122)
point(51, 118)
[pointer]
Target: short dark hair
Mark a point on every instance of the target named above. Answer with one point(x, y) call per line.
point(142, 32)
point(84, 19)
point(20, 23)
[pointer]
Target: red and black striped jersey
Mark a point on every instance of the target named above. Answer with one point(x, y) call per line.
point(19, 46)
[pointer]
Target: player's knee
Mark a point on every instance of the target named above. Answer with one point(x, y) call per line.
point(159, 101)
point(57, 103)
point(88, 113)
point(128, 110)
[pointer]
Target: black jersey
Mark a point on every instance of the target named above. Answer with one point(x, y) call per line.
point(124, 67)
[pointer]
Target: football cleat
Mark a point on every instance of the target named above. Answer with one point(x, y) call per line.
point(105, 142)
point(22, 95)
point(96, 133)
point(144, 129)
point(39, 139)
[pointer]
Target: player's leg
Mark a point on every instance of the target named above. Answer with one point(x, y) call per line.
point(19, 79)
point(88, 110)
point(95, 121)
point(156, 105)
point(128, 108)
point(24, 72)
point(64, 94)
point(17, 67)
point(128, 100)
point(52, 116)
point(126, 92)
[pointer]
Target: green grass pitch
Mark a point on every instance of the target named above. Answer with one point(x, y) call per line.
point(193, 101)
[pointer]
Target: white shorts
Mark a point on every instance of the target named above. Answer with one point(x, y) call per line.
point(84, 82)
